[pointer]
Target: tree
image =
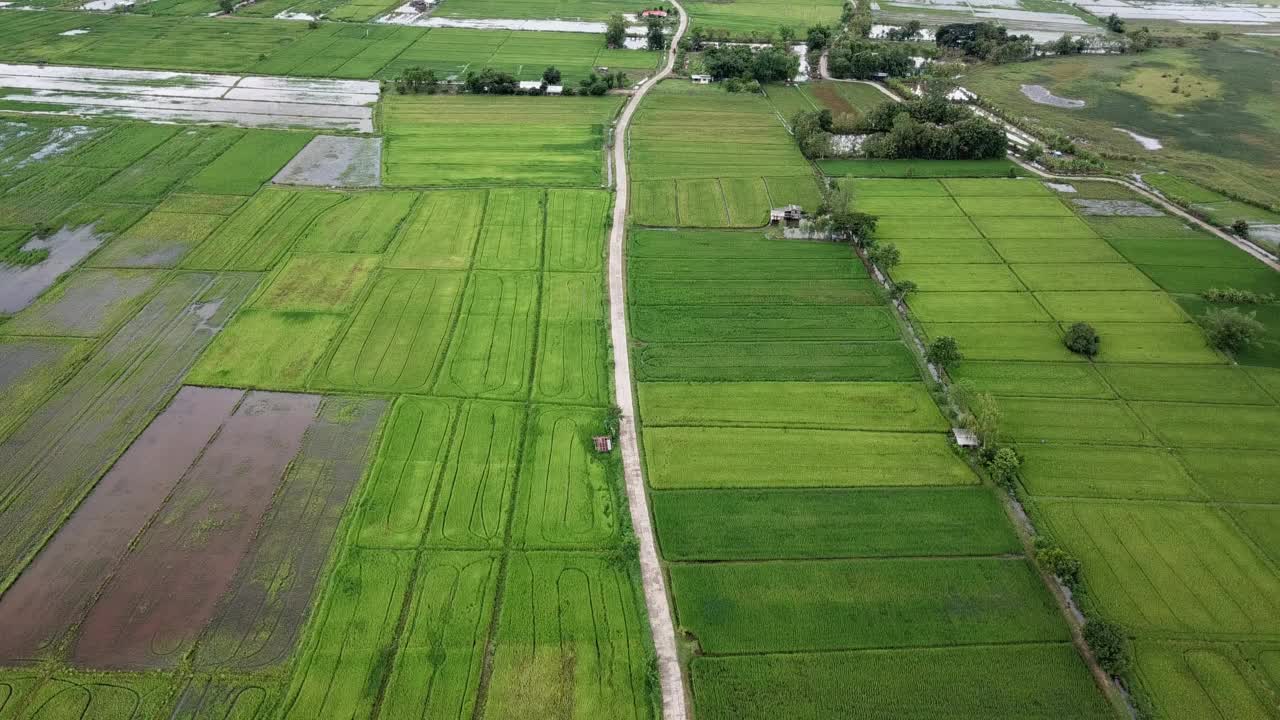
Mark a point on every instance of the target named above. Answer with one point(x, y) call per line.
point(1108, 645)
point(594, 85)
point(551, 76)
point(1062, 564)
point(1241, 228)
point(786, 34)
point(901, 289)
point(1004, 467)
point(1034, 152)
point(1082, 339)
point(655, 37)
point(885, 256)
point(415, 80)
point(489, 81)
point(1212, 36)
point(1114, 23)
point(1142, 40)
point(615, 32)
point(852, 226)
point(818, 37)
point(1230, 330)
point(227, 6)
point(774, 65)
point(944, 352)
point(984, 419)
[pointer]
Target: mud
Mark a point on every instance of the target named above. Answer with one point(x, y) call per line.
point(1042, 95)
point(56, 589)
point(1120, 208)
point(87, 305)
point(19, 286)
point(166, 590)
point(1061, 187)
point(329, 161)
point(1148, 143)
point(259, 620)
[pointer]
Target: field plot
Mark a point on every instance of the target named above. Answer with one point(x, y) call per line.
point(511, 236)
point(475, 492)
point(191, 552)
point(1106, 472)
point(113, 696)
point(203, 698)
point(58, 453)
point(473, 140)
point(1171, 568)
point(1043, 682)
point(572, 366)
point(1234, 475)
point(160, 239)
point(763, 15)
point(566, 497)
point(712, 457)
point(821, 523)
point(262, 230)
point(266, 349)
point(189, 98)
point(41, 261)
point(317, 283)
point(568, 641)
point(32, 367)
point(441, 231)
point(693, 323)
point(1044, 379)
point(737, 607)
point(575, 232)
point(491, 351)
point(1202, 680)
point(747, 361)
point(439, 653)
point(882, 406)
point(363, 223)
point(705, 159)
point(89, 303)
point(398, 336)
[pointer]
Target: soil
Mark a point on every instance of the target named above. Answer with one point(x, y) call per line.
point(1148, 143)
point(166, 590)
point(1041, 94)
point(52, 593)
point(329, 161)
point(20, 286)
point(1121, 208)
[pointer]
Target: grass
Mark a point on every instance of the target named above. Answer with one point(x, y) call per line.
point(748, 361)
point(891, 603)
point(249, 163)
point(882, 406)
point(435, 140)
point(261, 231)
point(1167, 567)
point(1184, 384)
point(362, 223)
point(567, 497)
point(1077, 277)
point(266, 349)
point(1005, 340)
point(572, 363)
point(1125, 473)
point(698, 323)
point(1200, 680)
point(1199, 425)
point(719, 457)
point(440, 232)
point(959, 277)
point(396, 339)
point(1042, 682)
point(823, 523)
point(317, 283)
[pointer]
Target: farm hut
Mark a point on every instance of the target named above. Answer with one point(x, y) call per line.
point(791, 215)
point(654, 13)
point(965, 438)
point(530, 84)
point(701, 79)
point(555, 89)
point(603, 443)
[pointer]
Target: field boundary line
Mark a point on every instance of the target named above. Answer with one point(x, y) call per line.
point(657, 600)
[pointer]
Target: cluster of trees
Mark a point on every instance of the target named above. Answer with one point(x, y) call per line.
point(414, 80)
point(1138, 41)
point(906, 32)
point(856, 18)
point(615, 33)
point(985, 40)
point(496, 82)
point(931, 127)
point(854, 57)
point(819, 37)
point(769, 64)
point(600, 84)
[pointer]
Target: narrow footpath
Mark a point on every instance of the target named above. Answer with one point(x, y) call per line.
point(657, 601)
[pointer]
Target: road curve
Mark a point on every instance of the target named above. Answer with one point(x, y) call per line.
point(656, 599)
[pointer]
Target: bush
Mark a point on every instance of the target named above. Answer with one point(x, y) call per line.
point(901, 289)
point(1004, 467)
point(944, 352)
point(1108, 645)
point(551, 76)
point(1241, 228)
point(885, 256)
point(1232, 296)
point(1230, 330)
point(1060, 563)
point(227, 6)
point(1082, 339)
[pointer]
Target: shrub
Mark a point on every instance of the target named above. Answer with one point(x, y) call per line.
point(886, 256)
point(1062, 564)
point(1241, 228)
point(615, 33)
point(1230, 330)
point(1232, 296)
point(944, 352)
point(901, 289)
point(1082, 339)
point(1004, 467)
point(227, 6)
point(1108, 645)
point(551, 75)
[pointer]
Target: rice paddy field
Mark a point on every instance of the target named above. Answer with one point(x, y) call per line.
point(819, 531)
point(703, 158)
point(1143, 462)
point(278, 452)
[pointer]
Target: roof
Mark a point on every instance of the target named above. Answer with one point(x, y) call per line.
point(965, 438)
point(654, 13)
point(530, 84)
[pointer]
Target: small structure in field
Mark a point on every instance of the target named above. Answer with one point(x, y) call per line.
point(790, 216)
point(965, 438)
point(603, 443)
point(701, 79)
point(554, 90)
point(654, 13)
point(530, 84)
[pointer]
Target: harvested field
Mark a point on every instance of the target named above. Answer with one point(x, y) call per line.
point(190, 98)
point(59, 452)
point(731, 608)
point(568, 638)
point(329, 161)
point(397, 338)
point(567, 495)
point(711, 457)
point(190, 554)
point(822, 523)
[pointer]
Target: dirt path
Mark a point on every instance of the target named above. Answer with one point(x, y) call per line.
point(655, 587)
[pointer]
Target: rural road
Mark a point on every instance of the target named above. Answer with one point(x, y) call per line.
point(657, 602)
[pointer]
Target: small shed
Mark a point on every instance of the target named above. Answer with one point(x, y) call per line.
point(530, 84)
point(791, 215)
point(655, 13)
point(555, 89)
point(965, 438)
point(701, 79)
point(603, 443)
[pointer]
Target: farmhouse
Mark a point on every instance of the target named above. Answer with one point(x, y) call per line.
point(701, 79)
point(654, 13)
point(791, 215)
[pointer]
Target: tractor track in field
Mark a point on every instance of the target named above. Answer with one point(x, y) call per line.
point(657, 601)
